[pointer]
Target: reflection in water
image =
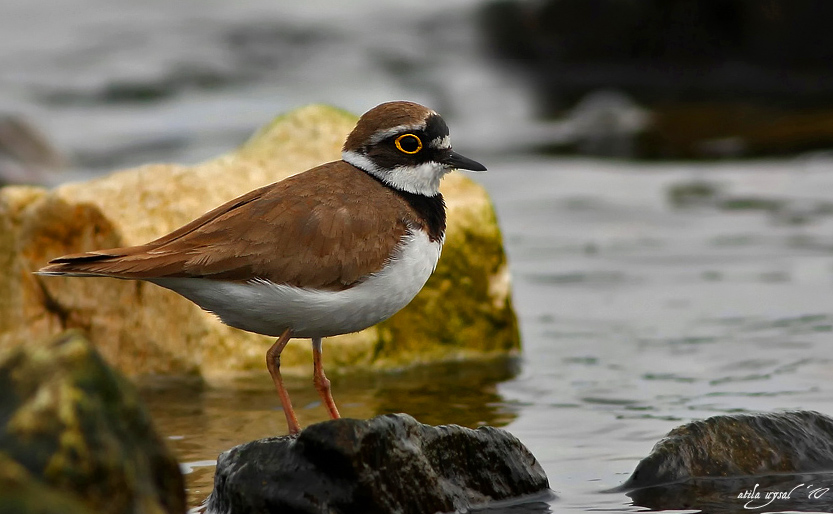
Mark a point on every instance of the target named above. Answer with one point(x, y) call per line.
point(802, 493)
point(536, 503)
point(460, 393)
point(201, 421)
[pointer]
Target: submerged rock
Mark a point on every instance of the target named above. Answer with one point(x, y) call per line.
point(74, 433)
point(464, 311)
point(390, 463)
point(748, 453)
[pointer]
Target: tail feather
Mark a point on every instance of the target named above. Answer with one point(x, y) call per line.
point(89, 264)
point(131, 262)
point(79, 258)
point(134, 262)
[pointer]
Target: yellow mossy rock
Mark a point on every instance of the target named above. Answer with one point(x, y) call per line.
point(465, 310)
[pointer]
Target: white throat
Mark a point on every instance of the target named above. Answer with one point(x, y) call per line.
point(423, 179)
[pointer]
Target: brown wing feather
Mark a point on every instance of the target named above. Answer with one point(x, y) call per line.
point(325, 228)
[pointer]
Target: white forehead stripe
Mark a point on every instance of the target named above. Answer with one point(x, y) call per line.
point(384, 134)
point(441, 143)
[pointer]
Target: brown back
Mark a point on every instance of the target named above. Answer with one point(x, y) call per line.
point(325, 228)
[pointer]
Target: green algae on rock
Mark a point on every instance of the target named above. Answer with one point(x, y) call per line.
point(79, 429)
point(465, 310)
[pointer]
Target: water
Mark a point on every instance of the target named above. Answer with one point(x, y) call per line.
point(636, 315)
point(203, 422)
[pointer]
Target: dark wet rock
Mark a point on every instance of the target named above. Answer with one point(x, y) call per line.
point(709, 464)
point(76, 432)
point(721, 79)
point(670, 50)
point(390, 463)
point(739, 445)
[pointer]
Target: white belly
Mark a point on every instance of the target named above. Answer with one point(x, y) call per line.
point(266, 308)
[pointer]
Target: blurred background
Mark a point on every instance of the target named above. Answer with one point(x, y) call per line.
point(91, 86)
point(661, 170)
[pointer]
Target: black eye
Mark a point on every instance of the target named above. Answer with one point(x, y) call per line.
point(408, 143)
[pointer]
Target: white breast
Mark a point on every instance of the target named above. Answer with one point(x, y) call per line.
point(267, 308)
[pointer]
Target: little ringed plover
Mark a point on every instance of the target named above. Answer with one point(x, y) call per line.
point(335, 249)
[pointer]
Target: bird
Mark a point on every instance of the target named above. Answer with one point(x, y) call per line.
point(331, 250)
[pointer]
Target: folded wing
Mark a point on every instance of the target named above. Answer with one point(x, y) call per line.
point(321, 229)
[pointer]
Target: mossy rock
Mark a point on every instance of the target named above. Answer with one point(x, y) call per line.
point(79, 428)
point(22, 493)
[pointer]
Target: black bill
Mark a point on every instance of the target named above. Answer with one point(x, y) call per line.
point(456, 160)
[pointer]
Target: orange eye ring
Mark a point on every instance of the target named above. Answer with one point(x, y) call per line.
point(408, 143)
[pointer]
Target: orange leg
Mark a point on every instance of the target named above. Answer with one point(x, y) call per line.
point(273, 362)
point(322, 383)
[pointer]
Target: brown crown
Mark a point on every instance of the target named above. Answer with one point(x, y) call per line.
point(383, 117)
